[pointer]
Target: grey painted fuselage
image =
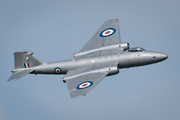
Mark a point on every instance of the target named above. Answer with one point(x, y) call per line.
point(124, 60)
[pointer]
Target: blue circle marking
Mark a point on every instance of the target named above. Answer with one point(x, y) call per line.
point(57, 70)
point(107, 32)
point(85, 84)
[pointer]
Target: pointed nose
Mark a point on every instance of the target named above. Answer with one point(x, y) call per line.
point(165, 56)
point(161, 56)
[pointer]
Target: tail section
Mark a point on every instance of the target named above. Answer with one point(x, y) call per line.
point(24, 59)
point(24, 63)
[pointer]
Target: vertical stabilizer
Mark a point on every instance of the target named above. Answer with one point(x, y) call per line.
point(24, 59)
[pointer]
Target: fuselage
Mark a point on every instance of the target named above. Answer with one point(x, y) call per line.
point(125, 60)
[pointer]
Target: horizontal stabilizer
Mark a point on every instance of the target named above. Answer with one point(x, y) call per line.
point(20, 74)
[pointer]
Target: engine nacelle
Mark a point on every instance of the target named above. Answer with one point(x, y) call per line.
point(113, 71)
point(110, 70)
point(124, 45)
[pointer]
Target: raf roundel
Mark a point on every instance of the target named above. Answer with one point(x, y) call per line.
point(57, 70)
point(84, 85)
point(107, 32)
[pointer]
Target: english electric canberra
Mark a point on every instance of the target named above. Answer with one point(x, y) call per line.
point(102, 56)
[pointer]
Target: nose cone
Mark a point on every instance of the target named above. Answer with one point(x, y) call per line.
point(165, 56)
point(161, 56)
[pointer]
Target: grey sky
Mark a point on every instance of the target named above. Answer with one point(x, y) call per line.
point(55, 29)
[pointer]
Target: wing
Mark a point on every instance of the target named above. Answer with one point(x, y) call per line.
point(81, 85)
point(80, 81)
point(107, 35)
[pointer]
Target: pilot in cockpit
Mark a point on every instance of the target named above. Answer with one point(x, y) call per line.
point(136, 49)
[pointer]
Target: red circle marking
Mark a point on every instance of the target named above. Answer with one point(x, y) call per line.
point(57, 70)
point(107, 32)
point(84, 84)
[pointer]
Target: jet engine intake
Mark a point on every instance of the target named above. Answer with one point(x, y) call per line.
point(124, 45)
point(113, 71)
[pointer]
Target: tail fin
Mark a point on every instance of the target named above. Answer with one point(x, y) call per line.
point(24, 59)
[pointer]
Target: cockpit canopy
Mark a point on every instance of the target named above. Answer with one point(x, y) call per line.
point(136, 49)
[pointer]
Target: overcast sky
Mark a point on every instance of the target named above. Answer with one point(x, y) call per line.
point(55, 30)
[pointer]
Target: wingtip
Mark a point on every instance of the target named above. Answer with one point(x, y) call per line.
point(80, 96)
point(115, 20)
point(11, 80)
